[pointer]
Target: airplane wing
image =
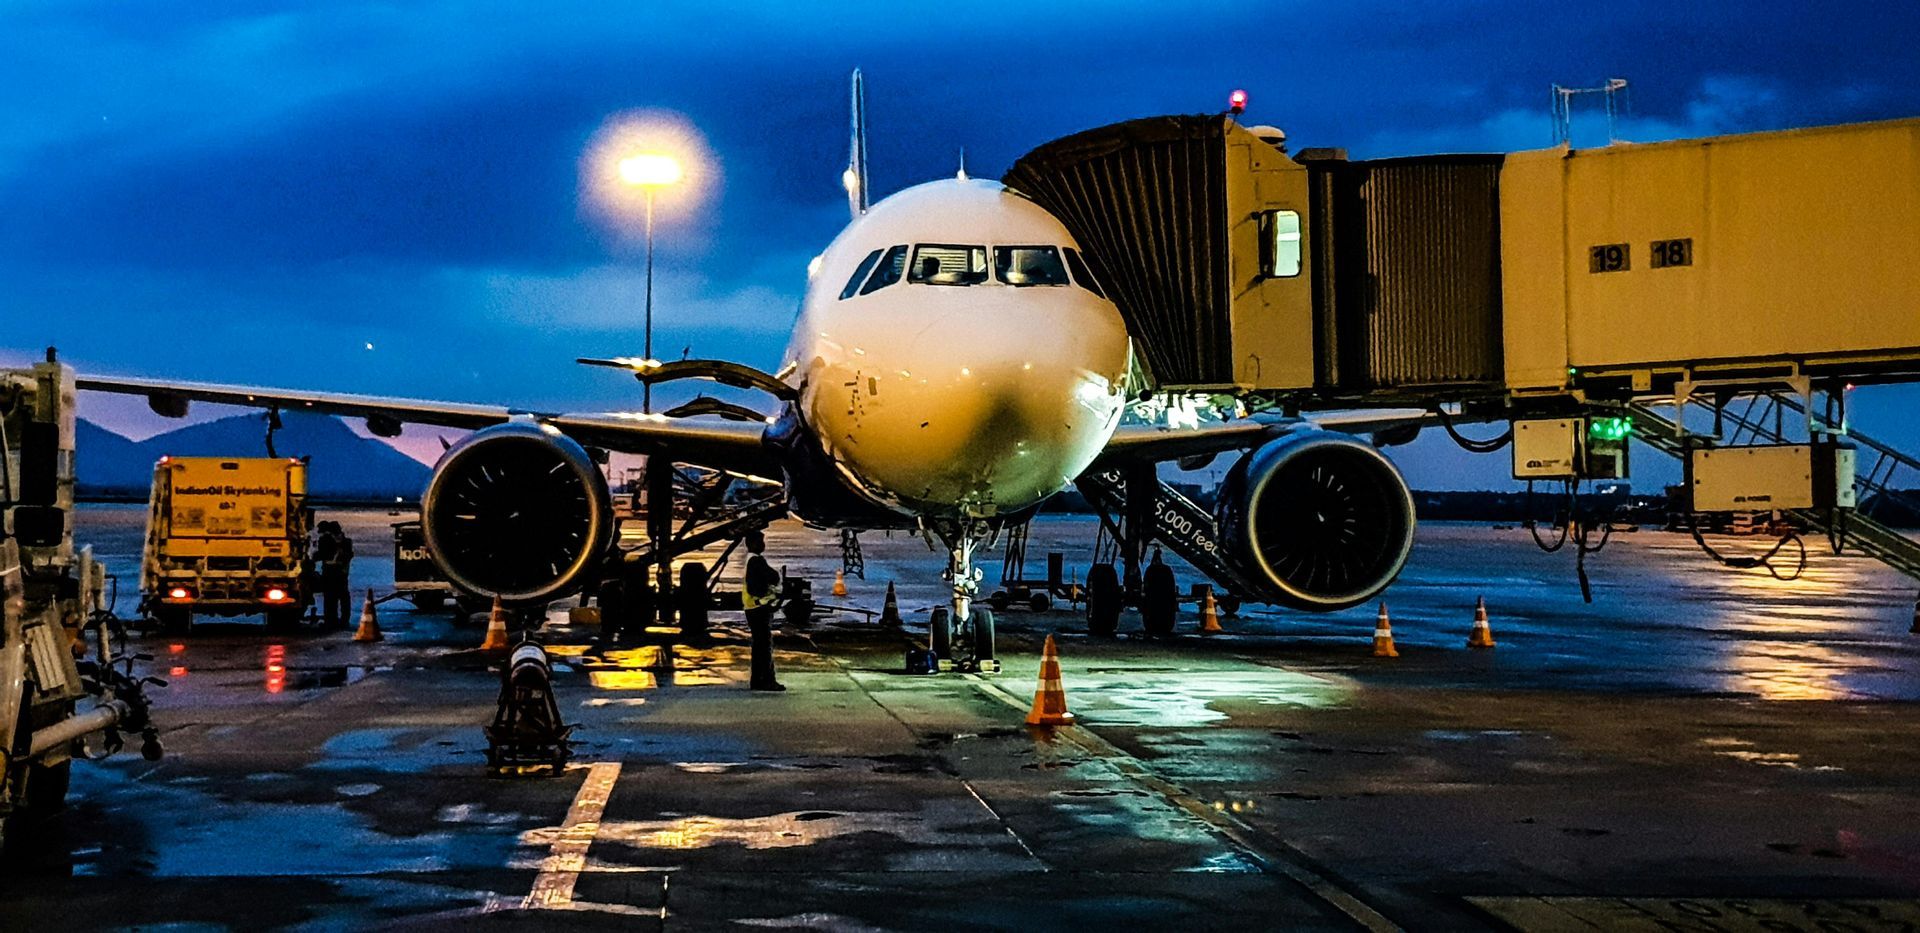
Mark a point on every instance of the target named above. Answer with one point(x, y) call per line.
point(1157, 443)
point(728, 445)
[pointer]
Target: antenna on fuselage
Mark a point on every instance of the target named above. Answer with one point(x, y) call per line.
point(855, 177)
point(962, 174)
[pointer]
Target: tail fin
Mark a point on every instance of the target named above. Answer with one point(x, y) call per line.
point(855, 178)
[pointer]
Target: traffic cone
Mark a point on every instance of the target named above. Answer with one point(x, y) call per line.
point(1482, 636)
point(890, 613)
point(1383, 636)
point(1209, 615)
point(840, 583)
point(369, 624)
point(1050, 700)
point(496, 628)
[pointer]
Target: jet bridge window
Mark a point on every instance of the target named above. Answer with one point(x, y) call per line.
point(1280, 244)
point(859, 275)
point(888, 271)
point(1029, 265)
point(948, 264)
point(1083, 273)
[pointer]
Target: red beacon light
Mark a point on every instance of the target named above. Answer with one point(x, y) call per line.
point(1237, 102)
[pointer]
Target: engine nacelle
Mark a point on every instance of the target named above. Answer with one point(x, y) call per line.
point(1323, 519)
point(517, 511)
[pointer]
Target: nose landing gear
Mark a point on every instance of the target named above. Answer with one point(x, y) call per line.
point(962, 639)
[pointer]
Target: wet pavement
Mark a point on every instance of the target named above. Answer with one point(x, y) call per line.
point(1697, 749)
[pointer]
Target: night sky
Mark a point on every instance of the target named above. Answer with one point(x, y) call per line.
point(257, 193)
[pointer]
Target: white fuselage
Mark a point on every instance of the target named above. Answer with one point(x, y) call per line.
point(976, 383)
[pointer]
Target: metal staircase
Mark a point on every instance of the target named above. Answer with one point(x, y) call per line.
point(1185, 528)
point(1763, 420)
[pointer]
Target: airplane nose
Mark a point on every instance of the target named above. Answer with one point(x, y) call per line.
point(1009, 412)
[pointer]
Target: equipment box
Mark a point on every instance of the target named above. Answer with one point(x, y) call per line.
point(1751, 479)
point(1546, 449)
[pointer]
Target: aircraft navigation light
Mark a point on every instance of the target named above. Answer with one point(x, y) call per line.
point(1237, 102)
point(650, 170)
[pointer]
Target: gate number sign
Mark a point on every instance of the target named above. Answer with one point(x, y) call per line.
point(1609, 257)
point(1672, 252)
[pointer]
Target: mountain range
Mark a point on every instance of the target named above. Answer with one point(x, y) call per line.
point(342, 465)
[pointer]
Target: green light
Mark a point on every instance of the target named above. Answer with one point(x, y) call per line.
point(1610, 429)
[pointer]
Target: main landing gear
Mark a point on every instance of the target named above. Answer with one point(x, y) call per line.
point(961, 638)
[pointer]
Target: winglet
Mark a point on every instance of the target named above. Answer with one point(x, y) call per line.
point(855, 177)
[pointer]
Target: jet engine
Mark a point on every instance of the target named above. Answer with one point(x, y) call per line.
point(518, 511)
point(1323, 519)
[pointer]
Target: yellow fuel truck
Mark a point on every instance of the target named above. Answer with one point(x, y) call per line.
point(227, 537)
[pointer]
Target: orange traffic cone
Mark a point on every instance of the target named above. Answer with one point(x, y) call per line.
point(890, 613)
point(1050, 700)
point(1383, 636)
point(1209, 615)
point(496, 628)
point(1482, 636)
point(840, 583)
point(369, 624)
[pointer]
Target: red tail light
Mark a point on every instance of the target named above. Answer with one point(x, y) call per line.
point(179, 592)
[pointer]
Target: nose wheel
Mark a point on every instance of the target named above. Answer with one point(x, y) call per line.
point(961, 638)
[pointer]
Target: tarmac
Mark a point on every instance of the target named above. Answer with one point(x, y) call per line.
point(1698, 749)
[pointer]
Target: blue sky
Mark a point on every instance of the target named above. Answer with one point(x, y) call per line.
point(256, 192)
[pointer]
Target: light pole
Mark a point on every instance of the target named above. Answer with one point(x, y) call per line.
point(649, 171)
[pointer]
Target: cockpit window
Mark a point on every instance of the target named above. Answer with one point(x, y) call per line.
point(859, 275)
point(947, 264)
point(888, 271)
point(1082, 273)
point(1029, 265)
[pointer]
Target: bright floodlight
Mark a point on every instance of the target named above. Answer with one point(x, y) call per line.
point(650, 169)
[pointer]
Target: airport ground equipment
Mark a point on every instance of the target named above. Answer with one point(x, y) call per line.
point(1016, 589)
point(51, 600)
point(527, 731)
point(227, 537)
point(417, 579)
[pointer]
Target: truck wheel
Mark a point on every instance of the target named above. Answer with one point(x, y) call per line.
point(174, 620)
point(1000, 600)
point(1103, 600)
point(284, 619)
point(1039, 602)
point(45, 799)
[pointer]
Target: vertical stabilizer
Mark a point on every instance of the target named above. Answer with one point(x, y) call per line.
point(855, 178)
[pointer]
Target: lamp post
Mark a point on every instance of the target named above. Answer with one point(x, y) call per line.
point(649, 171)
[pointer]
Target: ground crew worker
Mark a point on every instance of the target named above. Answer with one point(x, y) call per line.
point(326, 554)
point(758, 592)
point(1159, 597)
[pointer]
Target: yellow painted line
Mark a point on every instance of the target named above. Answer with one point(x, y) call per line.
point(553, 889)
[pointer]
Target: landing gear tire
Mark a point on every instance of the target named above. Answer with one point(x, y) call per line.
point(1103, 601)
point(940, 634)
point(982, 625)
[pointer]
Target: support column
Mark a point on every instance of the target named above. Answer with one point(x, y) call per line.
point(1142, 487)
point(660, 533)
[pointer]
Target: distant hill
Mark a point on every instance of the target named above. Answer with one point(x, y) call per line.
point(342, 465)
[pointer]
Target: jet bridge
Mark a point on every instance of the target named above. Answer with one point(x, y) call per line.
point(1552, 284)
point(1316, 281)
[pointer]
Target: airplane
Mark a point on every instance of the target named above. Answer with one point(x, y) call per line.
point(954, 364)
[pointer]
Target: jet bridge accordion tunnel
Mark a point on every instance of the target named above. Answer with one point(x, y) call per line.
point(1239, 269)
